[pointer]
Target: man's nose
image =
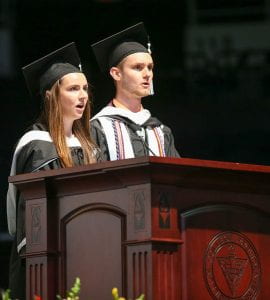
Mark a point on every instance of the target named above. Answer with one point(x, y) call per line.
point(147, 73)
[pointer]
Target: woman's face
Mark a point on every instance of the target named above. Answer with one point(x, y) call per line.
point(73, 95)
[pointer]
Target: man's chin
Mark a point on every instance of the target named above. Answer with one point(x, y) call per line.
point(145, 93)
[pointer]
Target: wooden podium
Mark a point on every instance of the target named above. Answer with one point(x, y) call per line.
point(169, 228)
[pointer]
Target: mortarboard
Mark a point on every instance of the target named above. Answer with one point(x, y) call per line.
point(41, 74)
point(111, 50)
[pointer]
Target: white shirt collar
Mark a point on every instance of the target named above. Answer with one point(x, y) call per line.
point(138, 117)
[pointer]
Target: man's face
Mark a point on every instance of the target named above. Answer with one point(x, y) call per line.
point(136, 74)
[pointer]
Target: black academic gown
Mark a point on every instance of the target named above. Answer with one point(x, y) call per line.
point(140, 146)
point(36, 155)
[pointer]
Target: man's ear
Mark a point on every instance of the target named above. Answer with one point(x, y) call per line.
point(115, 73)
point(48, 95)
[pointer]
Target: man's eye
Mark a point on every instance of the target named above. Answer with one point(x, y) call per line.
point(138, 67)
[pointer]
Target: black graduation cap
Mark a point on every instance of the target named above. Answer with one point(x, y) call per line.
point(41, 74)
point(111, 50)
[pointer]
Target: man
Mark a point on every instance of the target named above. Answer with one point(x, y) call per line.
point(124, 129)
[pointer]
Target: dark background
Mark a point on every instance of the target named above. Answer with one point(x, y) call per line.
point(212, 72)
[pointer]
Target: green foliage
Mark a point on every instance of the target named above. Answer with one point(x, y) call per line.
point(116, 296)
point(6, 295)
point(73, 293)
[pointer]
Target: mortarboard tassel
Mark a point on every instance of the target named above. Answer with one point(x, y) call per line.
point(150, 52)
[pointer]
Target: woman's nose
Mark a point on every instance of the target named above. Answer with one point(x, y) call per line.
point(83, 93)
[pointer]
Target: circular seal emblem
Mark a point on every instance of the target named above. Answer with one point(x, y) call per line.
point(231, 267)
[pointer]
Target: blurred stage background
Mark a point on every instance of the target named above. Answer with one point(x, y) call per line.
point(212, 72)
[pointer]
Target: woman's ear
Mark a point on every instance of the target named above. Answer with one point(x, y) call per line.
point(115, 73)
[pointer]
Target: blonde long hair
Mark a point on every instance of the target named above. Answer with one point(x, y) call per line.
point(52, 117)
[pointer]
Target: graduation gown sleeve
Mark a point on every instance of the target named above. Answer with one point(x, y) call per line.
point(169, 143)
point(99, 137)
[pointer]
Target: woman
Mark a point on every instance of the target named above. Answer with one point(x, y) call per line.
point(60, 138)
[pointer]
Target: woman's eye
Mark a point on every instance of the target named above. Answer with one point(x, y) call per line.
point(73, 88)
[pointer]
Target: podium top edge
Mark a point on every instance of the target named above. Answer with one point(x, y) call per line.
point(107, 166)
